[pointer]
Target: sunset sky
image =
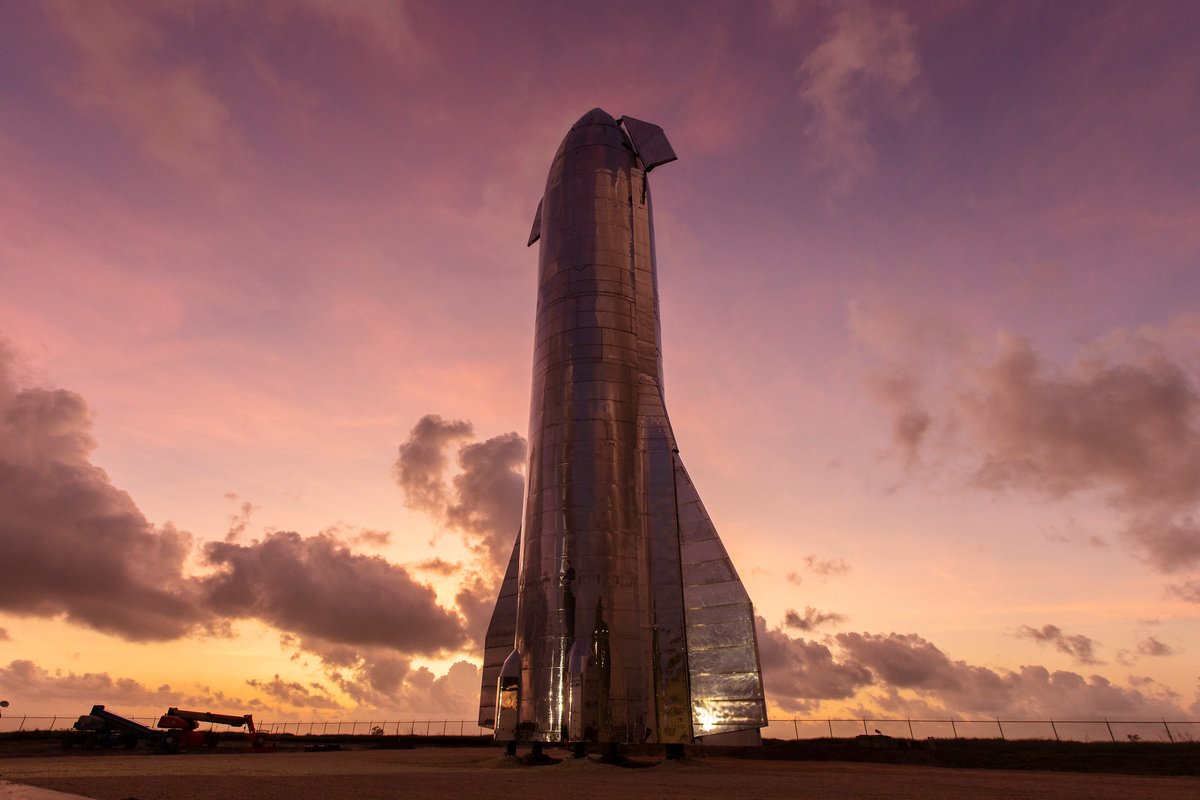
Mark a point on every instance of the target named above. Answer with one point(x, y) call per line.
point(929, 275)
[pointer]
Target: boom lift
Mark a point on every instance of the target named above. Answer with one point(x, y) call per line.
point(181, 729)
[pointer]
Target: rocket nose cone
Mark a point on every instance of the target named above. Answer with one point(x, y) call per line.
point(597, 116)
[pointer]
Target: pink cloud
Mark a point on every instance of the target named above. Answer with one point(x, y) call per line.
point(126, 73)
point(867, 65)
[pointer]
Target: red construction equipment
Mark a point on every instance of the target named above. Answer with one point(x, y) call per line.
point(181, 730)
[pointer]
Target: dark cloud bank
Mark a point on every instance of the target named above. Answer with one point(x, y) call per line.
point(72, 543)
point(76, 545)
point(906, 675)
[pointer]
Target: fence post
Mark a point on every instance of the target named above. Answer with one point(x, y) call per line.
point(1110, 733)
point(864, 726)
point(53, 720)
point(953, 729)
point(796, 728)
point(1001, 727)
point(1055, 729)
point(829, 722)
point(910, 733)
point(21, 727)
point(1168, 727)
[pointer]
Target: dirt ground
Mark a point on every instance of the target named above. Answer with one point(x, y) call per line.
point(474, 774)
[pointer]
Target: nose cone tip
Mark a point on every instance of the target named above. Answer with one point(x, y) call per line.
point(597, 116)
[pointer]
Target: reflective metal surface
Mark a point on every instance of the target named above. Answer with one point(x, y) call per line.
point(630, 622)
point(498, 642)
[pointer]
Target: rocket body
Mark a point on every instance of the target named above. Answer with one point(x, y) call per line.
point(621, 618)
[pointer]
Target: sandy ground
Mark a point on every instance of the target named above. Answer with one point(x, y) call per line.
point(475, 774)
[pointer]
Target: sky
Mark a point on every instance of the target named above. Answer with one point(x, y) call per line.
point(928, 275)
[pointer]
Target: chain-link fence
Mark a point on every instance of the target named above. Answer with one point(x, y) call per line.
point(1092, 730)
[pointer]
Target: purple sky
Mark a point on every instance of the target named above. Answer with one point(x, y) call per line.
point(929, 276)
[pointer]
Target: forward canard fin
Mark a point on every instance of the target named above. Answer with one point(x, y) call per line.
point(650, 142)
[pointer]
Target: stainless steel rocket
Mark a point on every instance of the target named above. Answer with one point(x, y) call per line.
point(620, 617)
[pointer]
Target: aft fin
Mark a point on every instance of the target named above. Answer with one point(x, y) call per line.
point(501, 633)
point(536, 232)
point(649, 141)
point(724, 673)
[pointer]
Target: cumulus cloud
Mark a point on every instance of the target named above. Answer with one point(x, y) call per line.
point(1170, 544)
point(798, 674)
point(1077, 646)
point(372, 538)
point(456, 692)
point(911, 421)
point(866, 65)
point(318, 587)
point(437, 566)
point(371, 676)
point(25, 679)
point(1121, 422)
point(476, 598)
point(826, 566)
point(4, 637)
point(72, 543)
point(295, 694)
point(811, 619)
point(239, 521)
point(421, 466)
point(1125, 424)
point(1187, 590)
point(914, 671)
point(1154, 648)
point(483, 501)
point(489, 491)
point(378, 679)
point(1129, 427)
point(905, 673)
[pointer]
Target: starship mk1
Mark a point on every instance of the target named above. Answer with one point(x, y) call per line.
point(620, 618)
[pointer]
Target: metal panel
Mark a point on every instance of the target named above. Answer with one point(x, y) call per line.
point(650, 141)
point(535, 232)
point(498, 642)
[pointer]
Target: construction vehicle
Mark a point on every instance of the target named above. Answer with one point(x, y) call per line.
point(102, 728)
point(180, 730)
